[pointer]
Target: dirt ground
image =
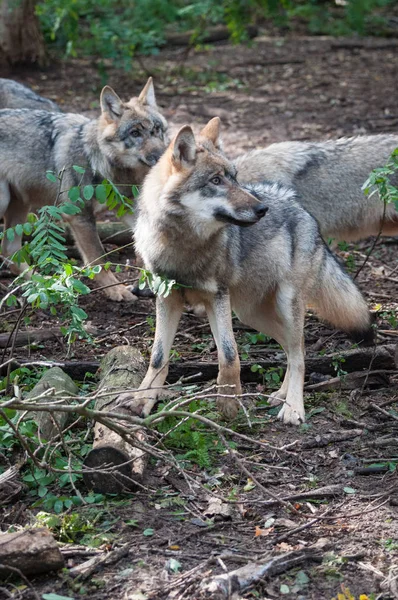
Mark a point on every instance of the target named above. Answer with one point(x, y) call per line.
point(277, 89)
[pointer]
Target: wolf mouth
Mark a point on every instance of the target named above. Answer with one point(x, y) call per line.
point(227, 218)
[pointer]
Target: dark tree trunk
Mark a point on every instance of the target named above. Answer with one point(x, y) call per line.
point(21, 41)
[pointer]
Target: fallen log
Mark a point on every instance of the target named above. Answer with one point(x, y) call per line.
point(381, 358)
point(10, 485)
point(121, 369)
point(217, 33)
point(31, 551)
point(26, 338)
point(61, 384)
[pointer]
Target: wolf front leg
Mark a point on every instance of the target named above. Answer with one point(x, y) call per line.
point(85, 232)
point(220, 317)
point(168, 313)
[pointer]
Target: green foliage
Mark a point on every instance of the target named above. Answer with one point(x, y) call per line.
point(161, 286)
point(116, 30)
point(54, 282)
point(189, 438)
point(272, 377)
point(380, 181)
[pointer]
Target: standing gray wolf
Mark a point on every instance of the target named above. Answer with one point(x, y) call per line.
point(328, 177)
point(196, 225)
point(16, 95)
point(121, 145)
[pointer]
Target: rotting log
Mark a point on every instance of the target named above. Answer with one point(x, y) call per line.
point(61, 384)
point(122, 369)
point(31, 551)
point(218, 33)
point(10, 485)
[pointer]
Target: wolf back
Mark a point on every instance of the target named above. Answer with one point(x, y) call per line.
point(17, 95)
point(328, 177)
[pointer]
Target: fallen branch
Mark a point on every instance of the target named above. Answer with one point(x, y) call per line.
point(323, 440)
point(240, 580)
point(25, 338)
point(323, 492)
point(10, 485)
point(86, 569)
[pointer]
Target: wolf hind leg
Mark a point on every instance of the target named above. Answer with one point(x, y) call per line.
point(282, 317)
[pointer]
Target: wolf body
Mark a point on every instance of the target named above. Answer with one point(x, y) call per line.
point(17, 95)
point(198, 226)
point(328, 177)
point(121, 145)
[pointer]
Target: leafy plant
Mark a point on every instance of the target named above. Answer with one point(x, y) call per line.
point(272, 377)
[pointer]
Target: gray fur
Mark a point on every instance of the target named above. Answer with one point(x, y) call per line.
point(267, 271)
point(17, 95)
point(117, 147)
point(328, 177)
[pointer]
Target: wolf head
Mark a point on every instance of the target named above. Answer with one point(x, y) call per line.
point(196, 181)
point(132, 134)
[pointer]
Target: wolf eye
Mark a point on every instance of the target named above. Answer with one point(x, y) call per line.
point(135, 133)
point(216, 180)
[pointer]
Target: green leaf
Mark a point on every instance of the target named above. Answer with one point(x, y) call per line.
point(51, 176)
point(302, 578)
point(19, 229)
point(42, 491)
point(101, 193)
point(148, 532)
point(88, 192)
point(74, 193)
point(79, 286)
point(284, 589)
point(174, 565)
point(58, 506)
point(79, 169)
point(349, 490)
point(10, 234)
point(27, 228)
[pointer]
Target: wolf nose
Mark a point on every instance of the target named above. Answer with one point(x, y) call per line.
point(260, 210)
point(153, 158)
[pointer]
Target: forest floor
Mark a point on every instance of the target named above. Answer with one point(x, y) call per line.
point(343, 460)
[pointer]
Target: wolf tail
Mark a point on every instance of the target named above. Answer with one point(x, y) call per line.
point(337, 299)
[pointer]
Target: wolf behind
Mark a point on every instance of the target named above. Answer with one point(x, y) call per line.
point(197, 225)
point(121, 145)
point(328, 177)
point(17, 95)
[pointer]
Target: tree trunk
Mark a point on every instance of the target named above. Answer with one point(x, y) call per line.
point(21, 41)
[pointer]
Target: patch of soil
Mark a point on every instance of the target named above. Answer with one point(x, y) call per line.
point(277, 89)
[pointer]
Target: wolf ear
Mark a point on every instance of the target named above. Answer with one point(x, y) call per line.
point(147, 95)
point(211, 131)
point(111, 105)
point(184, 148)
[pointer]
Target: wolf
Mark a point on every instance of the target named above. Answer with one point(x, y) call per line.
point(254, 250)
point(121, 145)
point(328, 177)
point(17, 95)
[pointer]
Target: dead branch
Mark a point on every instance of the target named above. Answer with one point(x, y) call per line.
point(25, 338)
point(323, 440)
point(240, 580)
point(10, 485)
point(86, 569)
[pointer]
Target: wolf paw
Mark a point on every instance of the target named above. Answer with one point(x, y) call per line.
point(228, 407)
point(276, 398)
point(291, 415)
point(138, 404)
point(119, 293)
